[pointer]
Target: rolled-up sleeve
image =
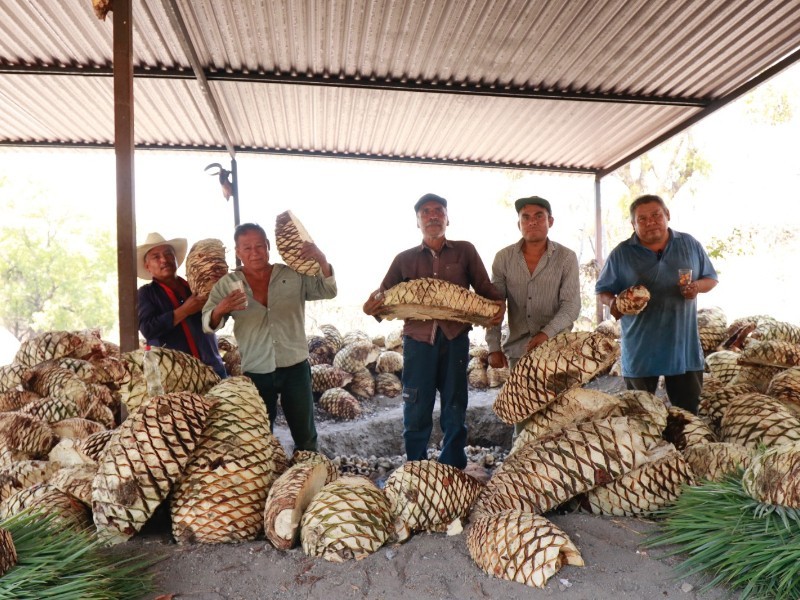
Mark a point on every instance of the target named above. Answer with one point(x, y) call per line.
point(318, 287)
point(221, 289)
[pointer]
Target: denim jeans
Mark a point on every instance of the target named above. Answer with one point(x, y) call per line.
point(293, 384)
point(427, 368)
point(682, 390)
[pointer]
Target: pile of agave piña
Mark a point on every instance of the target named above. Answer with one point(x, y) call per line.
point(629, 454)
point(208, 443)
point(351, 368)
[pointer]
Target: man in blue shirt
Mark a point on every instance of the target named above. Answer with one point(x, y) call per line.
point(663, 339)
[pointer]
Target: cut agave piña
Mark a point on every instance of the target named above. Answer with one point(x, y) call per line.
point(716, 460)
point(644, 490)
point(756, 419)
point(546, 473)
point(520, 546)
point(565, 361)
point(349, 518)
point(8, 553)
point(714, 403)
point(773, 476)
point(144, 458)
point(428, 299)
point(220, 497)
point(572, 406)
point(180, 372)
point(426, 495)
point(290, 235)
point(205, 265)
point(685, 429)
point(44, 498)
point(288, 498)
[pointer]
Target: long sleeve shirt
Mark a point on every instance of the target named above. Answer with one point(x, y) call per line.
point(457, 262)
point(156, 315)
point(547, 300)
point(271, 336)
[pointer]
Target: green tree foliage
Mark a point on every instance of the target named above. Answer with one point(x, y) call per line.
point(769, 105)
point(663, 171)
point(54, 273)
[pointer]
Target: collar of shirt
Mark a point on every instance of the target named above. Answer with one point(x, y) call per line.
point(423, 247)
point(549, 251)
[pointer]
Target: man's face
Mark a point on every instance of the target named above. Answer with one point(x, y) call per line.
point(650, 222)
point(160, 262)
point(432, 219)
point(534, 223)
point(252, 249)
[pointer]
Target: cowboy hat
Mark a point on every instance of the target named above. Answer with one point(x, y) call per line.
point(153, 240)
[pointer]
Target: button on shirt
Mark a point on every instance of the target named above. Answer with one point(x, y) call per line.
point(547, 300)
point(271, 336)
point(457, 262)
point(663, 339)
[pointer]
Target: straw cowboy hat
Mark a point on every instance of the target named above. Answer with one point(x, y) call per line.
point(153, 240)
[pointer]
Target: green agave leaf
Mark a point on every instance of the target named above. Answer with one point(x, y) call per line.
point(62, 564)
point(720, 530)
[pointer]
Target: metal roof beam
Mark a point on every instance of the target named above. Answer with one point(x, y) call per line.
point(308, 153)
point(367, 83)
point(179, 25)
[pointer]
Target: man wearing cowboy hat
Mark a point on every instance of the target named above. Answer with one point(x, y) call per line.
point(169, 314)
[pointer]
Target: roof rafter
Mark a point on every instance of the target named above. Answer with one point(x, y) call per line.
point(370, 83)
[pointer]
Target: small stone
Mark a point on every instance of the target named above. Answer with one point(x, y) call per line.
point(390, 554)
point(686, 587)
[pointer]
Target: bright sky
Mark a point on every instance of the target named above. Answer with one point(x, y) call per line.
point(360, 212)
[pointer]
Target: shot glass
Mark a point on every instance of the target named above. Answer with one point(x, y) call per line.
point(684, 277)
point(239, 285)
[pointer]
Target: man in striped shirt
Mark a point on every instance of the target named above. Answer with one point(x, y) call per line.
point(539, 279)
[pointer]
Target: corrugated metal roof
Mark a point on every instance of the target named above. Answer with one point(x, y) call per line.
point(563, 84)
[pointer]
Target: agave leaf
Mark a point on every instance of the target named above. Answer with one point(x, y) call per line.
point(62, 564)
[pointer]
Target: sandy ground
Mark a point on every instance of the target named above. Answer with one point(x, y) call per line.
point(427, 567)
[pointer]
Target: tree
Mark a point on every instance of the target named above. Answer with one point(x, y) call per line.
point(54, 274)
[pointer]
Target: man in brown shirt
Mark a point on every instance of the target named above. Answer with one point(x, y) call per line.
point(436, 352)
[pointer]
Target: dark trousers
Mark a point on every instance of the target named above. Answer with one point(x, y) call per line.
point(293, 384)
point(427, 368)
point(682, 390)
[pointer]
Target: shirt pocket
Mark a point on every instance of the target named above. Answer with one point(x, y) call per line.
point(455, 273)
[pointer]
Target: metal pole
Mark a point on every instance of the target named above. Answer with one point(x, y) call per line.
point(598, 243)
point(235, 186)
point(124, 149)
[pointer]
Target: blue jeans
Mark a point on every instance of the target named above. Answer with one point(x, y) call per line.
point(427, 368)
point(293, 384)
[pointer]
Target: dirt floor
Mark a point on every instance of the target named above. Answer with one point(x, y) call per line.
point(428, 566)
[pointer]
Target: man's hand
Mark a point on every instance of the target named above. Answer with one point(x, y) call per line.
point(614, 310)
point(374, 303)
point(501, 312)
point(537, 340)
point(497, 360)
point(194, 303)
